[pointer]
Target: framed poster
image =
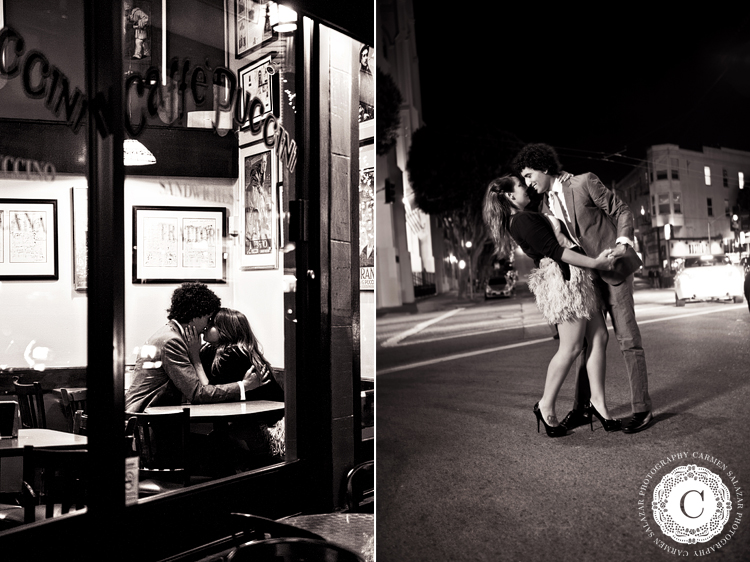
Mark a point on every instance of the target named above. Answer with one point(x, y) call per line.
point(252, 25)
point(259, 206)
point(176, 244)
point(257, 81)
point(367, 217)
point(80, 237)
point(28, 239)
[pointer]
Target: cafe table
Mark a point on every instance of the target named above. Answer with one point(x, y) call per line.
point(354, 531)
point(41, 438)
point(222, 413)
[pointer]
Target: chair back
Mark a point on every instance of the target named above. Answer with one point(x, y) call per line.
point(360, 488)
point(293, 550)
point(80, 422)
point(54, 478)
point(31, 402)
point(9, 419)
point(162, 444)
point(72, 400)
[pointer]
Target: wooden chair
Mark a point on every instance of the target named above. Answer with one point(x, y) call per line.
point(293, 549)
point(72, 400)
point(31, 402)
point(54, 482)
point(360, 488)
point(162, 444)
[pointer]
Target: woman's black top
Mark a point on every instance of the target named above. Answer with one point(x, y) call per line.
point(232, 368)
point(534, 234)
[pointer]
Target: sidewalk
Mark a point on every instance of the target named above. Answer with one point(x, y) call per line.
point(643, 294)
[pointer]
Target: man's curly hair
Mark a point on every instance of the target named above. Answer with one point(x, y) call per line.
point(192, 300)
point(538, 156)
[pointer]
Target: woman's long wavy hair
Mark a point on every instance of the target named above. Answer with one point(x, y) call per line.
point(497, 210)
point(234, 331)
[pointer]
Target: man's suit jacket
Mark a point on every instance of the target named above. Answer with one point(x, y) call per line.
point(598, 216)
point(164, 374)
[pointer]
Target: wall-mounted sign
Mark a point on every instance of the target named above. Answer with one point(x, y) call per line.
point(26, 168)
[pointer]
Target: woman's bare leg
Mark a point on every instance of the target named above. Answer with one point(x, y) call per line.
point(571, 340)
point(597, 337)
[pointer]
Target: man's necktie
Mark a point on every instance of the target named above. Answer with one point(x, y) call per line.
point(559, 211)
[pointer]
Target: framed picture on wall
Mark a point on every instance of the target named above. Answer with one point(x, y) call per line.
point(367, 216)
point(28, 239)
point(257, 81)
point(252, 25)
point(176, 244)
point(80, 237)
point(259, 204)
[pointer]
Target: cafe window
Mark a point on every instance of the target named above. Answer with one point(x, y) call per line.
point(212, 143)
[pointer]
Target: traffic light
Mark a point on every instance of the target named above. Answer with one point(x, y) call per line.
point(390, 191)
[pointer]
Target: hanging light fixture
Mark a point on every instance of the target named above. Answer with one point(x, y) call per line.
point(135, 154)
point(286, 20)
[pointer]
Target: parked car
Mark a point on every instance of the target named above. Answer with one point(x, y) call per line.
point(501, 285)
point(703, 278)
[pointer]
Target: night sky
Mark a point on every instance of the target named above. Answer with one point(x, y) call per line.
point(591, 85)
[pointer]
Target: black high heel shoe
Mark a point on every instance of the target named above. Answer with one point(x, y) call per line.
point(552, 430)
point(608, 425)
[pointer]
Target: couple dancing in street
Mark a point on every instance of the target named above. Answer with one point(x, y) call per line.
point(578, 238)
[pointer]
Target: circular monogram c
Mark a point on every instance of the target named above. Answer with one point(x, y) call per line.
point(691, 504)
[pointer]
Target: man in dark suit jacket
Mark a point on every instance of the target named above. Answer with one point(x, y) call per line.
point(164, 373)
point(596, 220)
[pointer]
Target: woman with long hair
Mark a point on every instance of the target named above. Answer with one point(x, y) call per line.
point(563, 289)
point(230, 351)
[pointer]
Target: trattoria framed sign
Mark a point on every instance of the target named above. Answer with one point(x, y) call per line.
point(176, 244)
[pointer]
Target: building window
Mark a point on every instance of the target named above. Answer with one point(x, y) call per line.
point(709, 207)
point(663, 203)
point(725, 178)
point(675, 168)
point(677, 203)
point(741, 178)
point(661, 174)
point(727, 211)
point(707, 174)
point(653, 205)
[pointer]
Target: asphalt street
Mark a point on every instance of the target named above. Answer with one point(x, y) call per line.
point(462, 473)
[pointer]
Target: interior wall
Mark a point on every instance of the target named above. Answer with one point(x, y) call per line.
point(52, 314)
point(43, 315)
point(256, 293)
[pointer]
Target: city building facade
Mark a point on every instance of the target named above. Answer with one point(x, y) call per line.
point(407, 239)
point(685, 203)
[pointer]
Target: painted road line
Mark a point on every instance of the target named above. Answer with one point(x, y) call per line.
point(418, 328)
point(519, 326)
point(534, 342)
